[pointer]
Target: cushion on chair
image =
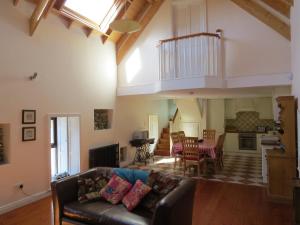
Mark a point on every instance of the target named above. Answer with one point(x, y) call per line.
point(135, 195)
point(115, 190)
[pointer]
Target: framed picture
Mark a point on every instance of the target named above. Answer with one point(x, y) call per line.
point(28, 116)
point(28, 134)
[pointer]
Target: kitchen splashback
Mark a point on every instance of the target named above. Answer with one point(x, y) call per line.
point(248, 121)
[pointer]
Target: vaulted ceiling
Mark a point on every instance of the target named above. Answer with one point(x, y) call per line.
point(143, 11)
point(274, 13)
point(139, 10)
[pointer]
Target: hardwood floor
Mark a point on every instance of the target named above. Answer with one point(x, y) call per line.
point(216, 203)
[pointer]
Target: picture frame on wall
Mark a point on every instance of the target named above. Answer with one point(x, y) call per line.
point(28, 134)
point(28, 116)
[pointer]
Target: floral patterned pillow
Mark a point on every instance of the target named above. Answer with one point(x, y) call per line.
point(135, 195)
point(88, 188)
point(115, 190)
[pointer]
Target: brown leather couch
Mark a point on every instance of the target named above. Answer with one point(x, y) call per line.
point(175, 208)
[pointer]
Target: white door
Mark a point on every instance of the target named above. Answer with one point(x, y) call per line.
point(153, 130)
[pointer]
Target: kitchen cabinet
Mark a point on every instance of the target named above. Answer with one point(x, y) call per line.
point(231, 143)
point(230, 109)
point(264, 107)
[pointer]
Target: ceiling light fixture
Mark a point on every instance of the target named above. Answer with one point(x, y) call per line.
point(125, 25)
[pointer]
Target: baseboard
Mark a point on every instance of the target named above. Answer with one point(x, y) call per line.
point(24, 201)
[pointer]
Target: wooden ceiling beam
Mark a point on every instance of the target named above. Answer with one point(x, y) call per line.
point(37, 15)
point(280, 6)
point(59, 4)
point(264, 16)
point(144, 17)
point(16, 2)
point(120, 15)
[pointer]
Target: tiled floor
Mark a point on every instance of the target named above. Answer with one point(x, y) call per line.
point(240, 169)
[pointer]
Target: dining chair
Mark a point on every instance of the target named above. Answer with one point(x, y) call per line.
point(175, 139)
point(181, 134)
point(191, 154)
point(218, 161)
point(209, 135)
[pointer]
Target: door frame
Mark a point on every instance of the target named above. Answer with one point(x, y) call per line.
point(48, 133)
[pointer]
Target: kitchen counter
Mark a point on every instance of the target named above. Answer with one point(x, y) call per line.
point(238, 131)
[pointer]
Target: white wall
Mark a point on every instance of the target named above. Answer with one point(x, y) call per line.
point(75, 75)
point(216, 115)
point(295, 26)
point(251, 47)
point(132, 114)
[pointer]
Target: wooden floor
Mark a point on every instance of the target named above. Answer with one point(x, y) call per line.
point(216, 203)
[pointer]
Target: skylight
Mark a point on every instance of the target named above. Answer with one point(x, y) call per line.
point(101, 12)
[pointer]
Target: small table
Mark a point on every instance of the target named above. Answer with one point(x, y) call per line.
point(142, 153)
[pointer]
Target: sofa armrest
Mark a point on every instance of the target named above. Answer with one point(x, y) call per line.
point(65, 191)
point(176, 208)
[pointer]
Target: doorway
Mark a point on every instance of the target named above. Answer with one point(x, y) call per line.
point(65, 145)
point(153, 130)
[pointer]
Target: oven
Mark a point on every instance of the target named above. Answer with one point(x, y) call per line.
point(247, 141)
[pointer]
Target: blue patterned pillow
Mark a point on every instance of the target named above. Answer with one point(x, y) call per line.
point(132, 175)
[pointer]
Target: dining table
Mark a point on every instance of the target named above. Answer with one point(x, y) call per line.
point(205, 147)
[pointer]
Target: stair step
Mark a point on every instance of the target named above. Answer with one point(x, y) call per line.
point(166, 146)
point(162, 153)
point(164, 141)
point(165, 135)
point(166, 130)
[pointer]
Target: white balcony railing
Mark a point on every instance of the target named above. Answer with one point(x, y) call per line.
point(195, 55)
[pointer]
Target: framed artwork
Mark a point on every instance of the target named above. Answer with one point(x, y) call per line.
point(28, 116)
point(28, 134)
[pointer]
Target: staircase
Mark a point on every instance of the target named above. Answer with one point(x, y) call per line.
point(163, 146)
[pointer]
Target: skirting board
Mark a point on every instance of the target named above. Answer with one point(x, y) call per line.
point(24, 201)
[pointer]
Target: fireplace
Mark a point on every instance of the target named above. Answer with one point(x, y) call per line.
point(106, 156)
point(247, 141)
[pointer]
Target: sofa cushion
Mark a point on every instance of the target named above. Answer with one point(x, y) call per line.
point(115, 190)
point(161, 185)
point(103, 213)
point(119, 215)
point(88, 212)
point(131, 175)
point(135, 195)
point(89, 188)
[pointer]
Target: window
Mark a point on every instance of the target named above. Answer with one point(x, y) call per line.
point(100, 12)
point(65, 145)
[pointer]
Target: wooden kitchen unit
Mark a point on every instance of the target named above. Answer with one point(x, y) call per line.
point(282, 168)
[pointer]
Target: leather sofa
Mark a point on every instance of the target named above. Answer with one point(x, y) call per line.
point(176, 208)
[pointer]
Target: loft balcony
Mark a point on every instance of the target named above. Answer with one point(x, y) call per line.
point(191, 61)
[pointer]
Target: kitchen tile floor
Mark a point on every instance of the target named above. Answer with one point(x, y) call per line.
point(239, 169)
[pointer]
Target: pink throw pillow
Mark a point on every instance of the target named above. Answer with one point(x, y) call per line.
point(135, 195)
point(115, 189)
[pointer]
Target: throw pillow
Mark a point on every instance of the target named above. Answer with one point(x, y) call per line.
point(135, 195)
point(88, 188)
point(131, 175)
point(115, 190)
point(161, 185)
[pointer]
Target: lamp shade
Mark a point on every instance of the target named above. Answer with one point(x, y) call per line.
point(125, 26)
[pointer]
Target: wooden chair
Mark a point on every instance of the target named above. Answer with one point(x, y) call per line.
point(191, 154)
point(181, 135)
point(175, 139)
point(209, 135)
point(218, 161)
